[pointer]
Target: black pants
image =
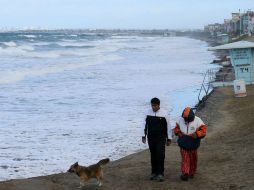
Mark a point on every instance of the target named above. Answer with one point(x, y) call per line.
point(157, 150)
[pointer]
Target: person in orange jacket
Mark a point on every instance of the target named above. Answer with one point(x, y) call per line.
point(190, 129)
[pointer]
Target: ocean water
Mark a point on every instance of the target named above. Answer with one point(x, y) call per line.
point(68, 97)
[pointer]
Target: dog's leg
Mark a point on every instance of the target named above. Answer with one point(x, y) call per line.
point(81, 184)
point(102, 175)
point(99, 183)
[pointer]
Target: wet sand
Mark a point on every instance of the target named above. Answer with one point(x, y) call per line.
point(226, 155)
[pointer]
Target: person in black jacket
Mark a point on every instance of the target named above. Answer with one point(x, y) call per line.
point(156, 129)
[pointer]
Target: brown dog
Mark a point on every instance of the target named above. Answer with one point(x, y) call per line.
point(92, 171)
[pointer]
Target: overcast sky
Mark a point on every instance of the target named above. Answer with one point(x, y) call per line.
point(125, 14)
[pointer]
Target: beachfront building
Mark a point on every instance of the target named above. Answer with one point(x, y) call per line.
point(247, 21)
point(213, 29)
point(227, 25)
point(244, 23)
point(239, 24)
point(222, 38)
point(235, 24)
point(242, 59)
point(250, 27)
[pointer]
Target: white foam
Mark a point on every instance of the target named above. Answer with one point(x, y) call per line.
point(13, 76)
point(30, 36)
point(15, 51)
point(67, 40)
point(26, 47)
point(42, 43)
point(72, 43)
point(10, 44)
point(28, 51)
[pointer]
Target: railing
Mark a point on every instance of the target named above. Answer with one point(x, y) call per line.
point(206, 85)
point(215, 76)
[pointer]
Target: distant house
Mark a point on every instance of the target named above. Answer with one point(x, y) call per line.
point(222, 38)
point(227, 26)
point(250, 27)
point(243, 23)
point(239, 24)
point(214, 28)
point(235, 24)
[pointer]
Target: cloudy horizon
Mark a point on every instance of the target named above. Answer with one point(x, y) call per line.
point(115, 14)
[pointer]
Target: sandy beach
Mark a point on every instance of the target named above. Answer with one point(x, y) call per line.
point(225, 157)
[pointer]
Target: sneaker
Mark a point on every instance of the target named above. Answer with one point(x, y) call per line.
point(184, 177)
point(153, 176)
point(159, 178)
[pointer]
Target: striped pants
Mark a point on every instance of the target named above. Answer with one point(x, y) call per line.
point(189, 161)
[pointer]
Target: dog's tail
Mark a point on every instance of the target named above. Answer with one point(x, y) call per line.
point(103, 162)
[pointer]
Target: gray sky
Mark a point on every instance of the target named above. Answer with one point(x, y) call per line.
point(136, 14)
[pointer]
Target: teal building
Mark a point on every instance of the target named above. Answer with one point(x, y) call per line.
point(242, 59)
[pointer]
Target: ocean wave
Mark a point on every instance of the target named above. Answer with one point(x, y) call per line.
point(59, 49)
point(68, 40)
point(29, 36)
point(7, 77)
point(26, 47)
point(64, 45)
point(73, 44)
point(9, 44)
point(26, 51)
point(29, 51)
point(16, 50)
